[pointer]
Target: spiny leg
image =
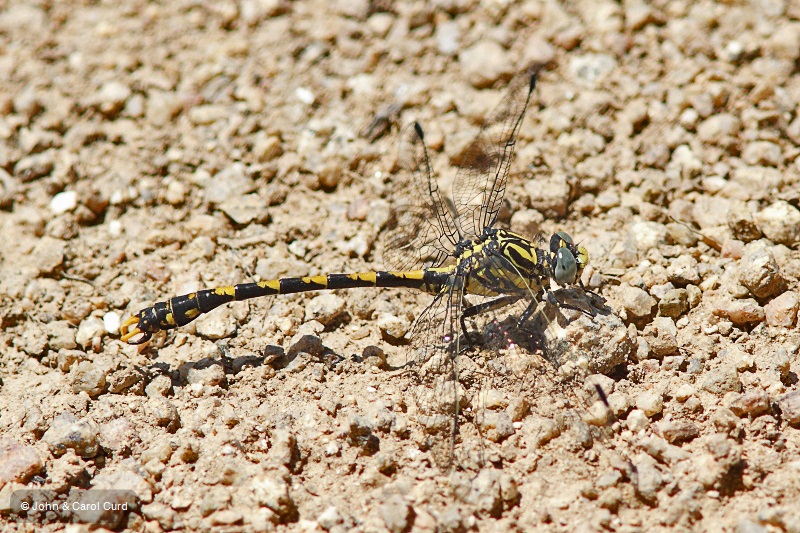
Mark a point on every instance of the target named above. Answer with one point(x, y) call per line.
point(553, 299)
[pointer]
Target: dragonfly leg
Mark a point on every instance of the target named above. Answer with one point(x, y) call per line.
point(553, 299)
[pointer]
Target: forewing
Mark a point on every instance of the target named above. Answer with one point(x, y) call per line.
point(421, 231)
point(480, 184)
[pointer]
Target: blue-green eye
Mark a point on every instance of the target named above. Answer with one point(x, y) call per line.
point(566, 269)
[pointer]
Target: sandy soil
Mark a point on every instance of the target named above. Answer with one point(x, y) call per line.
point(151, 149)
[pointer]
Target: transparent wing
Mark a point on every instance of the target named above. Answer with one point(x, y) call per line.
point(421, 231)
point(480, 184)
point(438, 393)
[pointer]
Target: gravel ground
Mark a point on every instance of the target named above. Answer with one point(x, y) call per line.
point(150, 149)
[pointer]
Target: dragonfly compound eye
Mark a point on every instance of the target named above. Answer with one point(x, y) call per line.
point(559, 240)
point(566, 269)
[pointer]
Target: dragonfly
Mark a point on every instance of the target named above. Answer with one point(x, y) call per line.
point(450, 248)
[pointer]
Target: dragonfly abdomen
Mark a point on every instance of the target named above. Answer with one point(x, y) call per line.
point(180, 310)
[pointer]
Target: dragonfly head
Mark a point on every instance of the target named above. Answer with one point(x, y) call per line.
point(568, 260)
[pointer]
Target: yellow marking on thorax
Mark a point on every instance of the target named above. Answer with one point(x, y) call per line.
point(273, 284)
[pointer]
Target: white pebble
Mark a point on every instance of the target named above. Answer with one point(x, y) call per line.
point(63, 202)
point(111, 322)
point(304, 95)
point(115, 228)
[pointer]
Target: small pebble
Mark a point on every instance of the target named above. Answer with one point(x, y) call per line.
point(789, 405)
point(674, 303)
point(245, 209)
point(662, 336)
point(598, 414)
point(741, 222)
point(636, 302)
point(674, 431)
point(359, 434)
point(782, 310)
point(741, 359)
point(619, 403)
point(305, 96)
point(637, 420)
point(118, 436)
point(496, 425)
point(176, 193)
point(67, 432)
point(329, 518)
point(375, 356)
point(123, 379)
point(48, 255)
point(159, 386)
point(34, 340)
point(773, 364)
point(549, 196)
point(162, 107)
point(272, 492)
point(780, 222)
point(718, 127)
point(650, 403)
point(267, 148)
point(684, 163)
point(752, 403)
point(35, 166)
point(217, 325)
point(88, 377)
point(683, 392)
point(163, 412)
point(720, 380)
point(310, 344)
point(732, 248)
point(484, 63)
point(327, 309)
point(538, 51)
point(759, 272)
point(762, 153)
point(230, 183)
point(448, 35)
point(111, 97)
point(648, 235)
point(211, 375)
point(740, 312)
point(683, 270)
point(89, 331)
point(542, 430)
point(111, 322)
point(64, 202)
point(394, 326)
point(18, 462)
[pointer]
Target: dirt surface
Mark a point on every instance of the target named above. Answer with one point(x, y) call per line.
point(151, 149)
